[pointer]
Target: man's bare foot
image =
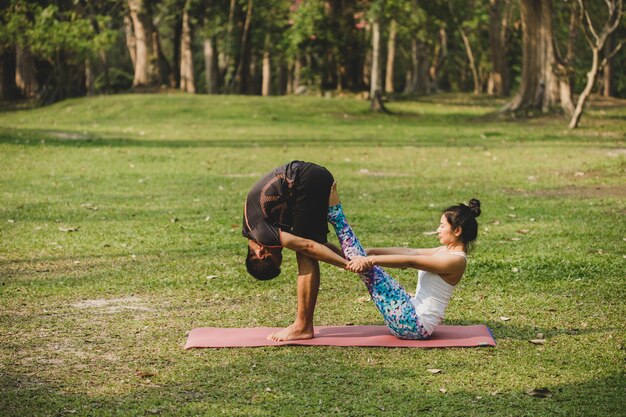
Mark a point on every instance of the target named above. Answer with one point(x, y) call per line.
point(292, 332)
point(333, 198)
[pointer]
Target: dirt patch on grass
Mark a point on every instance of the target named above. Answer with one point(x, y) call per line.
point(113, 305)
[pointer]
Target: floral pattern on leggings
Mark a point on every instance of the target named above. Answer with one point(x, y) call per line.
point(393, 302)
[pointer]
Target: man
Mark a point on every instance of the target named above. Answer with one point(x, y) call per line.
point(287, 208)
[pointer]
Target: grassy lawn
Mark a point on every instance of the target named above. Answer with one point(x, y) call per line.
point(115, 211)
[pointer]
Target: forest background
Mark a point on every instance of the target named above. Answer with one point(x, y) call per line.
point(546, 51)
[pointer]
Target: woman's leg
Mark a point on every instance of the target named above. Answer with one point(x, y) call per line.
point(393, 302)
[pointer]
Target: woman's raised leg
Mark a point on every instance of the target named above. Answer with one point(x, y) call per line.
point(393, 302)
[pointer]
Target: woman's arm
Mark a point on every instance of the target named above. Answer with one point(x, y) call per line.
point(312, 249)
point(402, 251)
point(442, 265)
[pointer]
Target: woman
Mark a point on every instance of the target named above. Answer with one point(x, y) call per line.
point(440, 269)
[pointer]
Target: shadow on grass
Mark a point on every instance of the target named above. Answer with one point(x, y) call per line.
point(301, 385)
point(511, 331)
point(492, 136)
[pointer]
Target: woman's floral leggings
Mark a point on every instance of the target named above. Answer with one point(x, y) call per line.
point(393, 302)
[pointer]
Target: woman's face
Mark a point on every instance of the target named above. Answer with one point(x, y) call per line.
point(445, 232)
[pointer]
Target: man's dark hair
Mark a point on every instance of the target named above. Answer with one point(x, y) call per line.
point(261, 269)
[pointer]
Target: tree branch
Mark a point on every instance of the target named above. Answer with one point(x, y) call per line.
point(590, 32)
point(610, 56)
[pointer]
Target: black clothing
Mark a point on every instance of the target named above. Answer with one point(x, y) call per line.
point(292, 198)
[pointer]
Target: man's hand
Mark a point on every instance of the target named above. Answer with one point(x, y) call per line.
point(359, 264)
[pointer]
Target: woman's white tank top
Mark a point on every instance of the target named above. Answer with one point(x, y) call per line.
point(432, 296)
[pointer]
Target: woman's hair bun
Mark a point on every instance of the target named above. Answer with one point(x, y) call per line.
point(474, 206)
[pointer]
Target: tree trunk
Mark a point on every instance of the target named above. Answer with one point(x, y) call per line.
point(90, 78)
point(210, 66)
point(497, 26)
point(540, 88)
point(283, 78)
point(25, 78)
point(297, 75)
point(597, 39)
point(411, 75)
point(131, 41)
point(423, 83)
point(8, 88)
point(582, 98)
point(241, 75)
point(607, 72)
point(376, 101)
point(267, 79)
point(375, 74)
point(391, 53)
point(229, 55)
point(187, 80)
point(144, 72)
point(440, 56)
point(177, 39)
point(470, 57)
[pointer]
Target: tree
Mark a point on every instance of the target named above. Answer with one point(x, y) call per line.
point(498, 24)
point(151, 67)
point(597, 41)
point(460, 20)
point(376, 16)
point(544, 78)
point(187, 80)
point(391, 56)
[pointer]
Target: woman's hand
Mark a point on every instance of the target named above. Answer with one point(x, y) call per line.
point(359, 264)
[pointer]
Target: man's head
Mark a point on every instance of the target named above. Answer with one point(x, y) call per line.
point(263, 262)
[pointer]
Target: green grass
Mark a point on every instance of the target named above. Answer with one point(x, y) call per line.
point(92, 322)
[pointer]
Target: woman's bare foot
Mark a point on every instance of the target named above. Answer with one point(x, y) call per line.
point(333, 198)
point(292, 332)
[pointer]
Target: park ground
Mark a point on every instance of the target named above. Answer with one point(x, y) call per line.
point(120, 231)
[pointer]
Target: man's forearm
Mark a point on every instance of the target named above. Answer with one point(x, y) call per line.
point(324, 253)
point(312, 249)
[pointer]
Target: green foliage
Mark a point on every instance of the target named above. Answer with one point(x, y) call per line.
point(119, 80)
point(53, 32)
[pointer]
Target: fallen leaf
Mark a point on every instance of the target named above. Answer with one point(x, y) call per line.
point(514, 269)
point(68, 229)
point(537, 341)
point(496, 222)
point(539, 335)
point(429, 233)
point(516, 239)
point(434, 370)
point(443, 390)
point(523, 231)
point(503, 318)
point(143, 374)
point(211, 276)
point(579, 174)
point(512, 216)
point(364, 299)
point(540, 393)
point(11, 221)
point(207, 218)
point(268, 389)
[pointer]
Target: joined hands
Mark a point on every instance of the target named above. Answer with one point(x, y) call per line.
point(360, 264)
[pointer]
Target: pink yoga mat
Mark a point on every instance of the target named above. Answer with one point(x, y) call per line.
point(443, 336)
